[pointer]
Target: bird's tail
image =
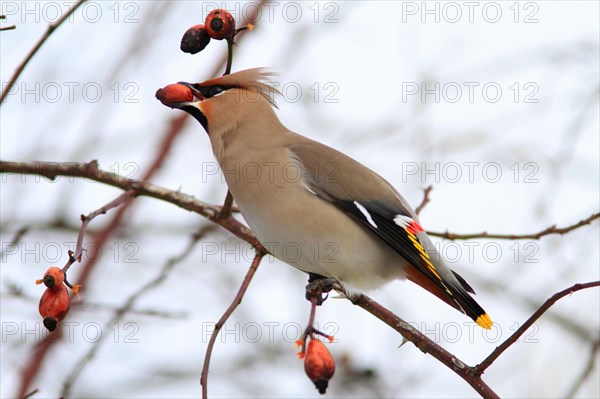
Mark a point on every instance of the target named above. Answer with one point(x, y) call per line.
point(455, 293)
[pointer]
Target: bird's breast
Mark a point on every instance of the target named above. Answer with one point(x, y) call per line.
point(303, 230)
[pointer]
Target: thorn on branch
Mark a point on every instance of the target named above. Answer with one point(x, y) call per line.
point(227, 206)
point(6, 27)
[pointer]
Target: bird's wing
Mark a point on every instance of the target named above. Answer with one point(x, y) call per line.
point(370, 200)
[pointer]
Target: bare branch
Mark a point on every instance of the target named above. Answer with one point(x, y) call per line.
point(234, 304)
point(91, 171)
point(532, 236)
point(35, 49)
point(577, 328)
point(85, 220)
point(470, 374)
point(480, 368)
point(425, 200)
point(426, 345)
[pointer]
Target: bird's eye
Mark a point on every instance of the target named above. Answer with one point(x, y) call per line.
point(216, 90)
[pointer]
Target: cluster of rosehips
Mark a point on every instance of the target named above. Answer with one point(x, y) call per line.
point(54, 303)
point(318, 363)
point(219, 24)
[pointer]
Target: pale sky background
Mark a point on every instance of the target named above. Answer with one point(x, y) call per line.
point(507, 131)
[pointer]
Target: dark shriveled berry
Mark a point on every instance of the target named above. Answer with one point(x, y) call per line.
point(195, 39)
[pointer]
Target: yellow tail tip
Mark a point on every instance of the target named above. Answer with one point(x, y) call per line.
point(485, 321)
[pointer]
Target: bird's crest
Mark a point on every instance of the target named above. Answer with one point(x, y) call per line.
point(256, 80)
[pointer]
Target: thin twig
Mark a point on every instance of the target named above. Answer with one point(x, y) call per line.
point(85, 220)
point(579, 329)
point(16, 239)
point(532, 236)
point(229, 41)
point(425, 200)
point(128, 305)
point(35, 49)
point(585, 373)
point(234, 304)
point(309, 327)
point(30, 394)
point(6, 27)
point(487, 362)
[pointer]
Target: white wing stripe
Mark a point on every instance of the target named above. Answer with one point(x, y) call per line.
point(366, 214)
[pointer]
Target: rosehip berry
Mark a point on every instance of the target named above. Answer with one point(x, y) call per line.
point(319, 364)
point(220, 24)
point(174, 93)
point(195, 39)
point(54, 305)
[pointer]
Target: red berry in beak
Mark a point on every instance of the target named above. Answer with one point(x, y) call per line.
point(174, 93)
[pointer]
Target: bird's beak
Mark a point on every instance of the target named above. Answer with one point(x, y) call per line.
point(186, 97)
point(180, 95)
point(178, 105)
point(194, 87)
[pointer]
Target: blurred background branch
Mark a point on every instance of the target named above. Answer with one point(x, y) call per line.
point(400, 87)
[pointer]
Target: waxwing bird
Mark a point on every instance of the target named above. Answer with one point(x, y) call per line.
point(310, 205)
